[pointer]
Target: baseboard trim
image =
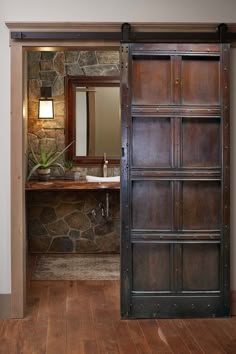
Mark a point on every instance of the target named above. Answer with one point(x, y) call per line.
point(5, 305)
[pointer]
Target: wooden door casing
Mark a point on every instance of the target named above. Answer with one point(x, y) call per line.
point(175, 180)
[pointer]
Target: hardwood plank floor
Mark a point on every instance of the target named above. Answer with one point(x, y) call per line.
point(69, 317)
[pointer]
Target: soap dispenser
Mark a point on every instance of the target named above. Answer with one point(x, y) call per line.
point(105, 165)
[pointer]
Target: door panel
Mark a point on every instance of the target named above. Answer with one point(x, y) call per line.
point(201, 142)
point(151, 142)
point(201, 267)
point(200, 80)
point(146, 72)
point(175, 180)
point(151, 263)
point(201, 205)
point(151, 205)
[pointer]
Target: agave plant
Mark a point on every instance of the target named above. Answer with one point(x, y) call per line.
point(46, 159)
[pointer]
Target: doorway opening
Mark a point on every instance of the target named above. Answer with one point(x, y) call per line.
point(73, 234)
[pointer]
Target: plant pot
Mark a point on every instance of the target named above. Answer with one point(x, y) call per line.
point(69, 174)
point(44, 174)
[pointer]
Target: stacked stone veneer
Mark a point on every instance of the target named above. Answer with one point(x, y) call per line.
point(49, 69)
point(72, 222)
point(66, 221)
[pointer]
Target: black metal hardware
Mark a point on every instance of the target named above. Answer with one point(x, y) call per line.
point(126, 35)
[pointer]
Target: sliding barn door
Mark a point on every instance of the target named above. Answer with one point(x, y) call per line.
point(175, 180)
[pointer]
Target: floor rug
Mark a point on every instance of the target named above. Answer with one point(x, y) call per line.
point(77, 267)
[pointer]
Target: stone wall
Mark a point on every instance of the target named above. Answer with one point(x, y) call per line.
point(72, 222)
point(66, 221)
point(49, 69)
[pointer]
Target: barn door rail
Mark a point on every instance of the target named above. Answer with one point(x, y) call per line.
point(128, 33)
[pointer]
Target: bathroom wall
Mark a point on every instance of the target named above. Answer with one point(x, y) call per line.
point(73, 222)
point(48, 68)
point(67, 222)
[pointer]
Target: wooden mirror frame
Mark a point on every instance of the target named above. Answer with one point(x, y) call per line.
point(71, 82)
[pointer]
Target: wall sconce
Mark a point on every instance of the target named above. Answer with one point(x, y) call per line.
point(46, 110)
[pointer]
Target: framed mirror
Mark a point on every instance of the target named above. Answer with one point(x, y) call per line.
point(93, 119)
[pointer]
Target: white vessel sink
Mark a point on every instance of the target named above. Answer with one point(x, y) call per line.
point(102, 179)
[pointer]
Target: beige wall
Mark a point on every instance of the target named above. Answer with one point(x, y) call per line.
point(78, 10)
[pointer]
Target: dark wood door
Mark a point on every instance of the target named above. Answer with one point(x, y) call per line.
point(175, 180)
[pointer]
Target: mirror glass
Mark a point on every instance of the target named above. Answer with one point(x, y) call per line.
point(97, 116)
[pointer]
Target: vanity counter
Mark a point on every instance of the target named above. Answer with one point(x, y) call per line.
point(60, 184)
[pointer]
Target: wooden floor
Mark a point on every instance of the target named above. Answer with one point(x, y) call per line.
point(83, 318)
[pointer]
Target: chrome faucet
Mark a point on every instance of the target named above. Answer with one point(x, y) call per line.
point(105, 165)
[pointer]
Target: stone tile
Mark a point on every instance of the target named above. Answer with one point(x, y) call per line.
point(39, 244)
point(36, 228)
point(85, 246)
point(33, 56)
point(61, 244)
point(34, 212)
point(88, 234)
point(67, 208)
point(59, 63)
point(74, 234)
point(34, 88)
point(87, 58)
point(104, 228)
point(71, 56)
point(108, 57)
point(108, 243)
point(58, 86)
point(33, 70)
point(74, 69)
point(59, 109)
point(116, 171)
point(57, 228)
point(48, 215)
point(33, 109)
point(77, 220)
point(94, 171)
point(70, 196)
point(90, 202)
point(50, 133)
point(46, 65)
point(47, 55)
point(49, 144)
point(40, 134)
point(48, 75)
point(95, 216)
point(33, 143)
point(101, 70)
point(56, 123)
point(41, 199)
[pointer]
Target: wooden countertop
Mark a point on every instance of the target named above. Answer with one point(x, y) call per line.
point(57, 185)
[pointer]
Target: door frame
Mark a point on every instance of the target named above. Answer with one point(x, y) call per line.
point(19, 124)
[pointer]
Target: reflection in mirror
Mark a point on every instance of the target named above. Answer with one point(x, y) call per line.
point(97, 121)
point(93, 119)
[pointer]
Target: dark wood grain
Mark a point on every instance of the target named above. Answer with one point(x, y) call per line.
point(175, 189)
point(151, 142)
point(200, 80)
point(58, 185)
point(151, 205)
point(151, 264)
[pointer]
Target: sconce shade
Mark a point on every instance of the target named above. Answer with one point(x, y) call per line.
point(46, 110)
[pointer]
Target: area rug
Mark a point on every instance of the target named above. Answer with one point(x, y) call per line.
point(77, 267)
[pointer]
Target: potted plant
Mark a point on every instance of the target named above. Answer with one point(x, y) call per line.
point(69, 169)
point(46, 160)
